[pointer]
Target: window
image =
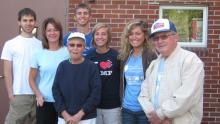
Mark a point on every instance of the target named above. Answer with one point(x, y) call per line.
point(191, 23)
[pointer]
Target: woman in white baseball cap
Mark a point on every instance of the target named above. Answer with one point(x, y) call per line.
point(77, 85)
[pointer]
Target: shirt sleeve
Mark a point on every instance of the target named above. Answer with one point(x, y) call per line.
point(7, 52)
point(34, 60)
point(59, 100)
point(65, 38)
point(145, 94)
point(190, 92)
point(95, 95)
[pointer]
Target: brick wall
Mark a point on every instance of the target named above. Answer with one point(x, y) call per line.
point(118, 12)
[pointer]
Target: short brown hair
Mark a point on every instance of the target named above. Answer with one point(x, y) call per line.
point(26, 12)
point(83, 6)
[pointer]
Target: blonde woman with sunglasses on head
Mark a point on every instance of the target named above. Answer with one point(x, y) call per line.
point(135, 55)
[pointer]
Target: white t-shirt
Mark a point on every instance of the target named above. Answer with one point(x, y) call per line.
point(19, 50)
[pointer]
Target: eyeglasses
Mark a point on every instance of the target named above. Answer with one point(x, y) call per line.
point(76, 45)
point(162, 37)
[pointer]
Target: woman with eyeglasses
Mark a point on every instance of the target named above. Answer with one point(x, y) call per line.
point(77, 85)
point(135, 55)
point(44, 63)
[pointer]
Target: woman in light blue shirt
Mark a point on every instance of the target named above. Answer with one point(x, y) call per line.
point(43, 69)
point(135, 55)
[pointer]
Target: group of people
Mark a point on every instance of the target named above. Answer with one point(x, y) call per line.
point(79, 79)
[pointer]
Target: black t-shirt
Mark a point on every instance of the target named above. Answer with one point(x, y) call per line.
point(109, 68)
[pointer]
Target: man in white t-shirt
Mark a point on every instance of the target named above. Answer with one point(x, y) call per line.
point(17, 54)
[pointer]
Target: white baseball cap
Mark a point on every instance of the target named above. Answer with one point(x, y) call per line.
point(162, 25)
point(76, 35)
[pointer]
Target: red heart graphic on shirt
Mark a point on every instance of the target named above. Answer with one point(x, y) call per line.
point(105, 64)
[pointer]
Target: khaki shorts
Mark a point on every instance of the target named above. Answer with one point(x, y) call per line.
point(22, 109)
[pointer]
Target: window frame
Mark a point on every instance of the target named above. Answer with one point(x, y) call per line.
point(201, 43)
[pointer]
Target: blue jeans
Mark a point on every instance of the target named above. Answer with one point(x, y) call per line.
point(131, 117)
